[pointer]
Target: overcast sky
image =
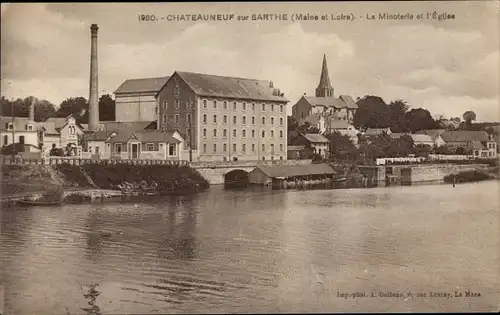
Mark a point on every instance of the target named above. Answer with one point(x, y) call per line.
point(447, 67)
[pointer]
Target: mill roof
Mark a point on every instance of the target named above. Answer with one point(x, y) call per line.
point(376, 131)
point(421, 138)
point(315, 138)
point(434, 133)
point(231, 87)
point(296, 170)
point(144, 85)
point(145, 136)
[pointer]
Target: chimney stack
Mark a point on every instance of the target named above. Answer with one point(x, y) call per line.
point(32, 110)
point(94, 90)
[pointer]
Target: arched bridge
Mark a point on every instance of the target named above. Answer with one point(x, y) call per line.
point(223, 172)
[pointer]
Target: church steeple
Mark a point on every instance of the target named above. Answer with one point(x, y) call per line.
point(324, 88)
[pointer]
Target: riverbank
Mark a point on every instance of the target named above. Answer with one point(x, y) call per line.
point(85, 183)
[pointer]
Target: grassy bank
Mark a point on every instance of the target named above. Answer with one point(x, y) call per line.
point(22, 179)
point(160, 178)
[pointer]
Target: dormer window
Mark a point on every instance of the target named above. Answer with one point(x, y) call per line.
point(30, 128)
point(10, 126)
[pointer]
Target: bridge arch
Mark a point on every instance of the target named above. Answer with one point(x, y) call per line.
point(236, 178)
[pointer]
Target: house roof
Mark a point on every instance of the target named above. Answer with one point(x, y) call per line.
point(478, 145)
point(313, 119)
point(398, 135)
point(296, 170)
point(315, 138)
point(434, 133)
point(231, 87)
point(58, 122)
point(144, 85)
point(295, 147)
point(421, 138)
point(119, 125)
point(144, 136)
point(344, 101)
point(338, 124)
point(375, 131)
point(464, 135)
point(100, 135)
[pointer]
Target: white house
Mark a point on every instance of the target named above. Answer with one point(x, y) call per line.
point(18, 130)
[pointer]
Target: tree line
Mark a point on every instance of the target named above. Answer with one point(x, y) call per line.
point(76, 106)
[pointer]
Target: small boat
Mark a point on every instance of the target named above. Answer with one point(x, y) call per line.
point(39, 203)
point(341, 179)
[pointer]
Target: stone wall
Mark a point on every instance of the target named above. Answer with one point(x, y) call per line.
point(436, 172)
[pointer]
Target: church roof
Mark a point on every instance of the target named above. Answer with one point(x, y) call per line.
point(344, 101)
point(231, 87)
point(144, 85)
point(324, 80)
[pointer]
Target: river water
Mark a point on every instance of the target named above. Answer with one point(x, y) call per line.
point(258, 251)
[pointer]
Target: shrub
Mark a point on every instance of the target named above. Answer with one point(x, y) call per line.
point(13, 148)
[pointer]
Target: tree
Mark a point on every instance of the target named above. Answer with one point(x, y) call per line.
point(372, 112)
point(443, 150)
point(468, 117)
point(106, 108)
point(43, 108)
point(342, 145)
point(419, 119)
point(292, 123)
point(76, 106)
point(422, 150)
point(397, 116)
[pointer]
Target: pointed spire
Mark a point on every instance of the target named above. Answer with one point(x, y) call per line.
point(324, 88)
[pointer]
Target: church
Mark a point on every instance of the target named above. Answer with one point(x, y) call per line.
point(324, 107)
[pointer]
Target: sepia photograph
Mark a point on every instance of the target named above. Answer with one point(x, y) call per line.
point(249, 157)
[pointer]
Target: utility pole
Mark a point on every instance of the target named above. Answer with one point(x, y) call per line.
point(13, 137)
point(190, 140)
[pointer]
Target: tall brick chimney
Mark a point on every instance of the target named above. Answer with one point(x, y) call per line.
point(31, 117)
point(94, 90)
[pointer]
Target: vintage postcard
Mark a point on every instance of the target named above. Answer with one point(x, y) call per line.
point(241, 157)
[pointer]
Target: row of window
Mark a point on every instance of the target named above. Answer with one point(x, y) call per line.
point(9, 126)
point(243, 148)
point(243, 120)
point(244, 106)
point(243, 133)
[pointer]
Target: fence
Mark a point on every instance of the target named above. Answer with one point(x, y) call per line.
point(405, 160)
point(80, 161)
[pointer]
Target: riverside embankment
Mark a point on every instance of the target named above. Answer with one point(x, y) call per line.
point(96, 180)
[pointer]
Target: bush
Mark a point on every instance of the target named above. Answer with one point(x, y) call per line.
point(12, 148)
point(467, 176)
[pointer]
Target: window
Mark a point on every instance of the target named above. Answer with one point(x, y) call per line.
point(26, 128)
point(177, 91)
point(253, 120)
point(225, 105)
point(244, 133)
point(204, 132)
point(215, 119)
point(149, 147)
point(281, 147)
point(5, 140)
point(156, 110)
point(204, 118)
point(188, 118)
point(281, 158)
point(272, 148)
point(224, 147)
point(204, 148)
point(253, 106)
point(272, 107)
point(244, 120)
point(244, 148)
point(234, 132)
point(253, 133)
point(234, 105)
point(171, 149)
point(263, 158)
point(21, 139)
point(281, 133)
point(11, 126)
point(263, 107)
point(253, 147)
point(263, 120)
point(234, 147)
point(118, 148)
point(215, 133)
point(215, 104)
point(224, 119)
point(224, 133)
point(176, 119)
point(164, 119)
point(234, 120)
point(272, 120)
point(281, 121)
point(165, 104)
point(96, 150)
point(215, 147)
point(263, 133)
point(244, 106)
point(281, 108)
point(177, 104)
point(263, 148)
point(272, 133)
point(204, 103)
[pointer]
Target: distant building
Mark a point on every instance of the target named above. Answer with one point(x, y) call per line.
point(343, 127)
point(373, 132)
point(265, 175)
point(422, 140)
point(315, 120)
point(318, 143)
point(225, 118)
point(479, 142)
point(324, 102)
point(435, 135)
point(135, 99)
point(293, 151)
